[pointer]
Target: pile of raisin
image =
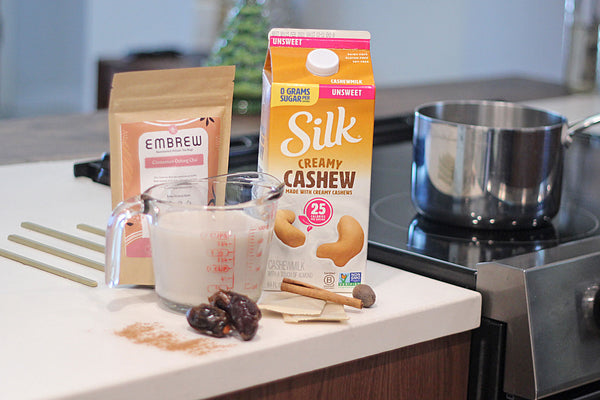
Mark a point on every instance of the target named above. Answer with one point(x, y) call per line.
point(228, 312)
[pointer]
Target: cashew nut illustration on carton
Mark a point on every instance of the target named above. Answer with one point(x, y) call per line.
point(350, 242)
point(285, 231)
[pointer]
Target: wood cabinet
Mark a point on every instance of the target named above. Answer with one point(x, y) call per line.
point(437, 369)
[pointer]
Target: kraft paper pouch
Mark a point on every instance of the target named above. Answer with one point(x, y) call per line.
point(165, 125)
point(317, 137)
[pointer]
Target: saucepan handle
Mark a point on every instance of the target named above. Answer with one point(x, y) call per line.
point(579, 126)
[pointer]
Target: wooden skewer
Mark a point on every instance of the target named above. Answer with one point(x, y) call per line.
point(63, 236)
point(48, 268)
point(56, 252)
point(91, 229)
point(305, 289)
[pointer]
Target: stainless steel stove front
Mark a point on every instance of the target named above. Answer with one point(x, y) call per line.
point(550, 303)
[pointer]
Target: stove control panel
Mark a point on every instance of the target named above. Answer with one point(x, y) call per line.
point(552, 313)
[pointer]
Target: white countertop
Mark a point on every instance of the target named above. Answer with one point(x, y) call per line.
point(575, 107)
point(58, 338)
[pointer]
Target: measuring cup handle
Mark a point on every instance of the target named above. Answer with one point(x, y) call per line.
point(114, 236)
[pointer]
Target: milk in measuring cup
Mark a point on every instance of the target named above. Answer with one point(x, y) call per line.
point(196, 253)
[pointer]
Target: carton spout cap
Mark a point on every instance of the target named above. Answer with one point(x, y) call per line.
point(322, 62)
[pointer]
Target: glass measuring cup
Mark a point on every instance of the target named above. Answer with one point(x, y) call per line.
point(205, 235)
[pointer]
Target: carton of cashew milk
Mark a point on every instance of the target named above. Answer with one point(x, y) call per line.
point(316, 135)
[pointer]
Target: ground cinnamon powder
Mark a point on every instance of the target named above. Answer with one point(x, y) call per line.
point(154, 334)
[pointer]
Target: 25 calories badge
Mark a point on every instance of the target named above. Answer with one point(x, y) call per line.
point(317, 212)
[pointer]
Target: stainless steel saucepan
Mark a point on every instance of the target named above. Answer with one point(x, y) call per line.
point(489, 164)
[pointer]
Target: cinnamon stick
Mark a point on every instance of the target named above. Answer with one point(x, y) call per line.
point(305, 289)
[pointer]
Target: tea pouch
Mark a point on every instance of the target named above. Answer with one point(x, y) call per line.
point(165, 125)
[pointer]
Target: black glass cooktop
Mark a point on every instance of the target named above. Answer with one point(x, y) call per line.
point(398, 236)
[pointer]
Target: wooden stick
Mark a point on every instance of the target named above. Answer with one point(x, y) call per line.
point(63, 236)
point(56, 252)
point(48, 268)
point(305, 289)
point(91, 229)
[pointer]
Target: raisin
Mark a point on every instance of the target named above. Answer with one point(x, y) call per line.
point(242, 311)
point(209, 319)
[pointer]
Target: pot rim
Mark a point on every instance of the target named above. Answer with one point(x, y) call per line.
point(420, 114)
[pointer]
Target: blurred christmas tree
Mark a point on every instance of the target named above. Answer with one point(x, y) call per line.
point(243, 43)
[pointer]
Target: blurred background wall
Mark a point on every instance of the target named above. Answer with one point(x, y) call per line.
point(49, 50)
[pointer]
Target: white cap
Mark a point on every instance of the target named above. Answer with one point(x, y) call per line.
point(322, 62)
